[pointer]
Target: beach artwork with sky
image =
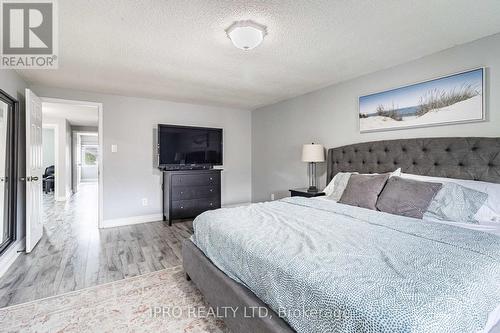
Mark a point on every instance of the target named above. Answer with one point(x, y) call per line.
point(454, 98)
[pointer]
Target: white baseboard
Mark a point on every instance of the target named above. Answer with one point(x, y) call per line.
point(131, 220)
point(111, 223)
point(10, 255)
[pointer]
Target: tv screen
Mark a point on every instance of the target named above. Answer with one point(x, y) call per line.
point(183, 145)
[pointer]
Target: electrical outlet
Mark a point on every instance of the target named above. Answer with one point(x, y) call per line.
point(144, 201)
point(272, 196)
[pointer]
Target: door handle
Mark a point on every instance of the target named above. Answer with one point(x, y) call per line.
point(34, 179)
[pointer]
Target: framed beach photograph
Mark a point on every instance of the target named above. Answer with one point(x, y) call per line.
point(456, 98)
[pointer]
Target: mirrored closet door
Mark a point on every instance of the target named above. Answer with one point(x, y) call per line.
point(8, 169)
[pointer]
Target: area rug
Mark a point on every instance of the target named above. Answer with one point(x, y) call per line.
point(161, 301)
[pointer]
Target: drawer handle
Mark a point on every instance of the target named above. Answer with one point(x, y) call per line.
point(182, 192)
point(211, 190)
point(211, 204)
point(182, 207)
point(211, 178)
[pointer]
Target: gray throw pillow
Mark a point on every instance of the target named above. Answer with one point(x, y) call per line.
point(456, 203)
point(407, 197)
point(363, 190)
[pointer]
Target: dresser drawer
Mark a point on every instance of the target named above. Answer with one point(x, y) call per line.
point(183, 208)
point(186, 194)
point(191, 208)
point(196, 179)
point(194, 192)
point(209, 204)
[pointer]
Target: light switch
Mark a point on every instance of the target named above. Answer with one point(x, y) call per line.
point(114, 148)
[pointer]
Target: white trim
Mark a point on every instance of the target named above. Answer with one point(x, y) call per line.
point(100, 130)
point(55, 127)
point(131, 220)
point(10, 255)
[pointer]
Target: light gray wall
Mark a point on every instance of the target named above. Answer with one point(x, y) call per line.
point(131, 174)
point(48, 138)
point(14, 85)
point(330, 116)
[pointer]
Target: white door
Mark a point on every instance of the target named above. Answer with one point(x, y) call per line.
point(34, 170)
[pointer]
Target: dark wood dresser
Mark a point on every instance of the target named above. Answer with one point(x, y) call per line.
point(188, 193)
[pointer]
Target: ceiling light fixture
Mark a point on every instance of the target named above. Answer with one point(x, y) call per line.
point(246, 35)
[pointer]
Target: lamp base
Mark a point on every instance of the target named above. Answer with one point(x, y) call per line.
point(312, 189)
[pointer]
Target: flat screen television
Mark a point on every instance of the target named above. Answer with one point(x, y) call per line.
point(187, 146)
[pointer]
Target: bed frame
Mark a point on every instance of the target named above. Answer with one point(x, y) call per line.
point(461, 158)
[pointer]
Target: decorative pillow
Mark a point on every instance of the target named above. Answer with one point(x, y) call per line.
point(363, 190)
point(489, 211)
point(456, 203)
point(337, 185)
point(407, 197)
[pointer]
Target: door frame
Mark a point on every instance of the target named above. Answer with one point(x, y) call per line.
point(101, 147)
point(55, 127)
point(12, 131)
point(78, 135)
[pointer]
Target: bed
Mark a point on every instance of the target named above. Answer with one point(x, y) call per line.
point(311, 265)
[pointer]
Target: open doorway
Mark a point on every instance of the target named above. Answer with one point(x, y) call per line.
point(72, 162)
point(85, 158)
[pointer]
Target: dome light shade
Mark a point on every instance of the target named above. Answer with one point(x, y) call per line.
point(246, 35)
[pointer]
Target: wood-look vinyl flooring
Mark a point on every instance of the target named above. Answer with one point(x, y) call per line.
point(74, 254)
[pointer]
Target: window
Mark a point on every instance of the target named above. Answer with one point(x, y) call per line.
point(89, 155)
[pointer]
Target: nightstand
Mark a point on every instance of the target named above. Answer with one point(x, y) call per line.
point(302, 192)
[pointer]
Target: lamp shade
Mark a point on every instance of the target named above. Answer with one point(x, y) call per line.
point(313, 153)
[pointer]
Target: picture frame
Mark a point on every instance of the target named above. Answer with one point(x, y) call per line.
point(451, 99)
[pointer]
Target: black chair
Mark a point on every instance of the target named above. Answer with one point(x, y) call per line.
point(48, 179)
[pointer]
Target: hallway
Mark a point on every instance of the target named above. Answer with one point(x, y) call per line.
point(74, 254)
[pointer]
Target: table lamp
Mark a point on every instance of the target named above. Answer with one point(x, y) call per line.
point(312, 153)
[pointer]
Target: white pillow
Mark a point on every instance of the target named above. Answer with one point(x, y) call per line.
point(337, 185)
point(489, 212)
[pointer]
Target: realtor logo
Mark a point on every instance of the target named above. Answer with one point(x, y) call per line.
point(29, 34)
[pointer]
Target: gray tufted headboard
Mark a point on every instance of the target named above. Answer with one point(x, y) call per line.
point(461, 158)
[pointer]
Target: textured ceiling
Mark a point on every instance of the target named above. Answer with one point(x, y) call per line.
point(78, 115)
point(178, 50)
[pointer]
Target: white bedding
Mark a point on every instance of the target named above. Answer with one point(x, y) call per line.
point(324, 255)
point(489, 212)
point(489, 227)
point(493, 323)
